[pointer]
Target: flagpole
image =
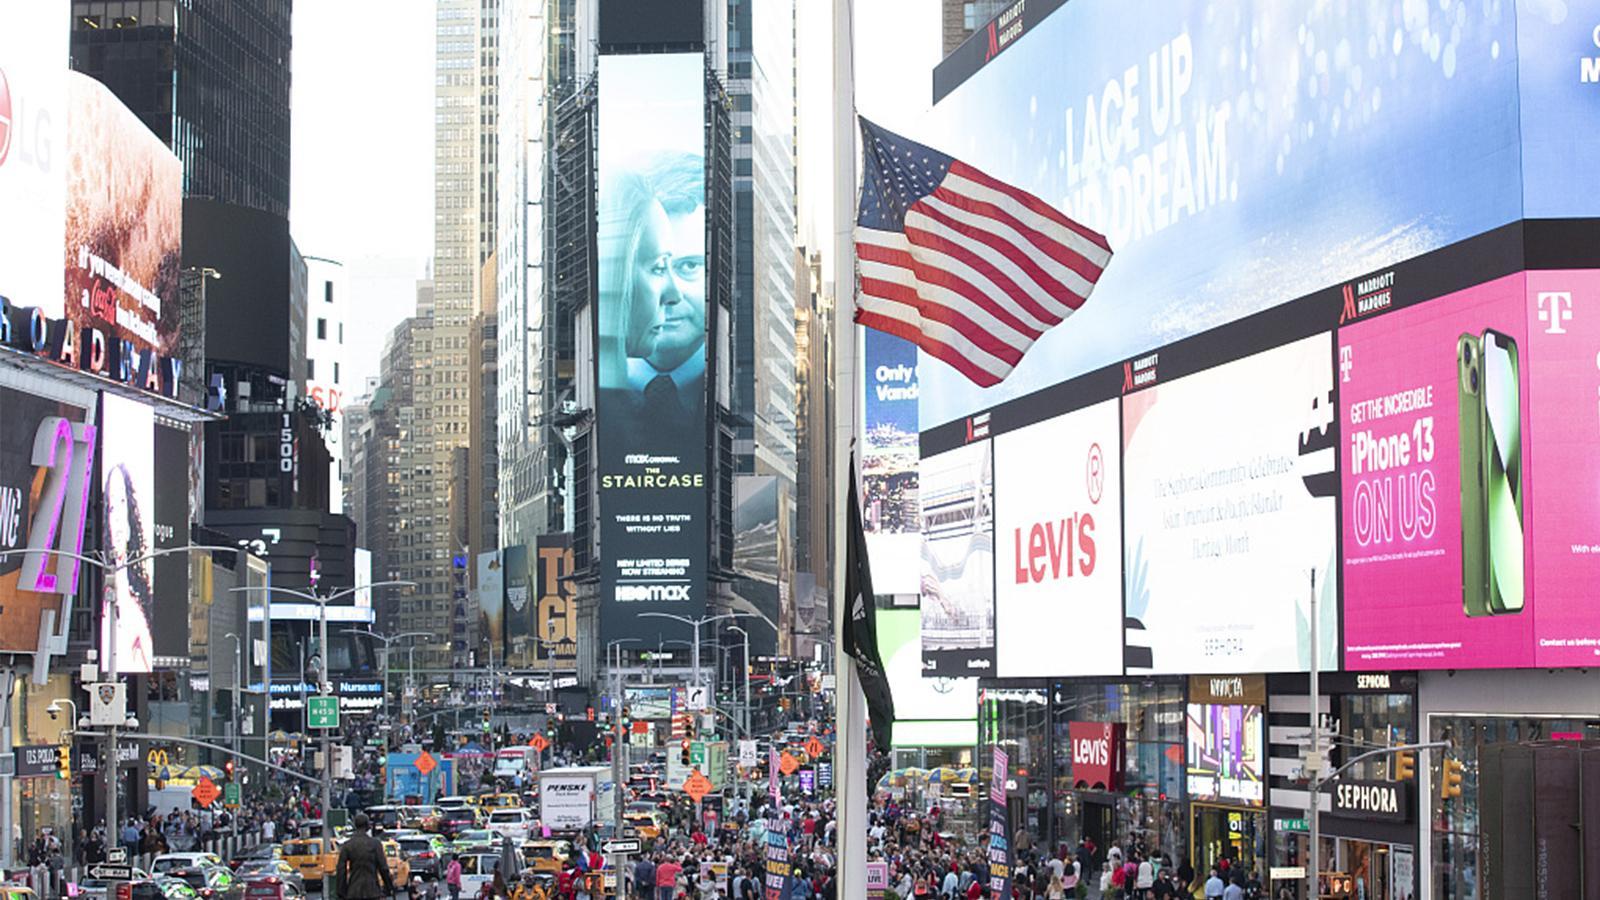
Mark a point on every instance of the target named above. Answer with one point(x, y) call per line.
point(850, 737)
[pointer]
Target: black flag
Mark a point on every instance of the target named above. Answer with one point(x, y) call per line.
point(860, 625)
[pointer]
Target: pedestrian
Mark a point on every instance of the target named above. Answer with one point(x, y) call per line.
point(1214, 886)
point(362, 866)
point(452, 877)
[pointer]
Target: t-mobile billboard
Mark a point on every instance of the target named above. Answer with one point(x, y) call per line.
point(651, 350)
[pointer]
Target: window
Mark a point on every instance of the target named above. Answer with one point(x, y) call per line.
point(336, 372)
point(322, 329)
point(311, 370)
point(327, 292)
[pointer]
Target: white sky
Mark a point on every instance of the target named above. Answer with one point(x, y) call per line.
point(362, 157)
point(363, 136)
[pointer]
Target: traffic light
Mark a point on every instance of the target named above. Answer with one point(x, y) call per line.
point(1405, 765)
point(1450, 779)
point(685, 754)
point(64, 762)
point(227, 770)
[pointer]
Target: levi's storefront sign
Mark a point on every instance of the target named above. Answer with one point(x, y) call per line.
point(1098, 755)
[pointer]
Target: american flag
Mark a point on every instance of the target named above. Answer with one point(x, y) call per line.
point(968, 268)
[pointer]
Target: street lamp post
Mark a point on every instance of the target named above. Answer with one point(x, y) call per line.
point(695, 623)
point(324, 685)
point(238, 703)
point(386, 642)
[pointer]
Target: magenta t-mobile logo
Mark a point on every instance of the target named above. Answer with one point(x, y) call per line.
point(1555, 310)
point(1347, 361)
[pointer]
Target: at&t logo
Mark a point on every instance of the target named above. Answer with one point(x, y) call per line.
point(1555, 310)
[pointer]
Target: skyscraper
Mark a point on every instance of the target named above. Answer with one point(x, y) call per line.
point(213, 83)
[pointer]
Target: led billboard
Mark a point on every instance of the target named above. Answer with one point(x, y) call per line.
point(1226, 752)
point(33, 129)
point(889, 512)
point(491, 589)
point(127, 494)
point(170, 610)
point(1455, 554)
point(1230, 513)
point(651, 410)
point(1058, 526)
point(555, 609)
point(1240, 155)
point(47, 450)
point(938, 711)
point(958, 561)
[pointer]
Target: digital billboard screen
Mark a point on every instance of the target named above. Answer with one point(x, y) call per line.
point(889, 503)
point(958, 561)
point(518, 576)
point(33, 128)
point(1455, 554)
point(651, 410)
point(1058, 526)
point(170, 612)
point(47, 450)
point(491, 588)
point(1239, 157)
point(127, 506)
point(1226, 744)
point(1229, 503)
point(556, 602)
point(916, 699)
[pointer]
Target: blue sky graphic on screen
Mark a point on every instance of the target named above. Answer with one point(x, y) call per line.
point(1240, 155)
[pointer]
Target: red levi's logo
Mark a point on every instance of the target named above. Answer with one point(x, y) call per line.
point(1097, 754)
point(1049, 549)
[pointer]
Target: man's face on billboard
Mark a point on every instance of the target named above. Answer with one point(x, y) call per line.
point(667, 318)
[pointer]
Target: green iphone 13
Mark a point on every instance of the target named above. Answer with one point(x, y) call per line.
point(1469, 409)
point(1502, 471)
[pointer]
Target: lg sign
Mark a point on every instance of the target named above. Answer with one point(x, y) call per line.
point(5, 117)
point(15, 128)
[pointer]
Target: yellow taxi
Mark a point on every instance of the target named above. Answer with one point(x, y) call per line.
point(499, 801)
point(546, 855)
point(648, 824)
point(399, 869)
point(311, 858)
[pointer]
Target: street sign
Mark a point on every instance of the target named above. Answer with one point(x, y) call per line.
point(814, 747)
point(538, 742)
point(206, 791)
point(747, 754)
point(697, 697)
point(115, 855)
point(697, 786)
point(322, 712)
point(628, 847)
point(426, 763)
point(640, 726)
point(35, 761)
point(230, 795)
point(550, 709)
point(104, 872)
point(787, 763)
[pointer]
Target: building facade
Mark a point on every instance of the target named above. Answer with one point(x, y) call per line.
point(326, 361)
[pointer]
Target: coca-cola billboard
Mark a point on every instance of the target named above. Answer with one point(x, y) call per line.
point(1099, 754)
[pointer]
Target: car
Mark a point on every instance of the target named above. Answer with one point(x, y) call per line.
point(425, 853)
point(648, 824)
point(546, 854)
point(10, 891)
point(256, 853)
point(514, 823)
point(158, 887)
point(166, 862)
point(455, 819)
point(263, 869)
point(312, 858)
point(210, 882)
point(499, 801)
point(399, 869)
point(420, 817)
point(386, 817)
point(477, 869)
point(473, 839)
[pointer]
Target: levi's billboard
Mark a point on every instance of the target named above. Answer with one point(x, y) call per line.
point(1098, 754)
point(1059, 553)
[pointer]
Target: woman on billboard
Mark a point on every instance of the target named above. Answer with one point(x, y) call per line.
point(129, 587)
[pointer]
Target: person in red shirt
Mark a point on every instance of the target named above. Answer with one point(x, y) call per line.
point(667, 872)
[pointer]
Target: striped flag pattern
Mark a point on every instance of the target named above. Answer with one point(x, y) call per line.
point(968, 268)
